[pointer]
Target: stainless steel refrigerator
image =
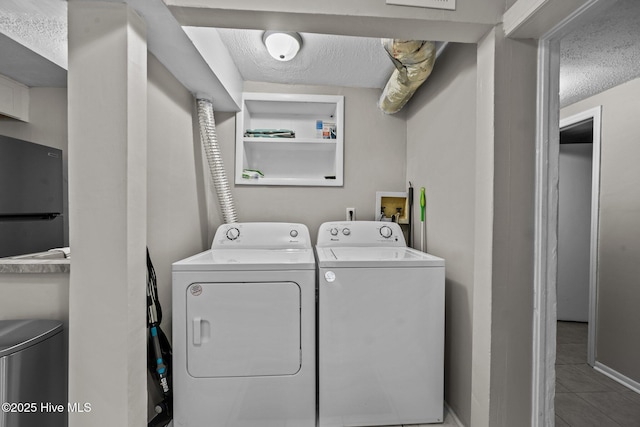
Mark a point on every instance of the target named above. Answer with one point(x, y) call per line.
point(31, 203)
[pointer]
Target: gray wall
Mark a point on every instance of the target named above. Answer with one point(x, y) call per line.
point(374, 160)
point(471, 144)
point(618, 317)
point(514, 104)
point(441, 157)
point(574, 231)
point(177, 223)
point(35, 296)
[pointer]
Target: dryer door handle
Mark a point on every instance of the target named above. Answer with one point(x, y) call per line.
point(197, 331)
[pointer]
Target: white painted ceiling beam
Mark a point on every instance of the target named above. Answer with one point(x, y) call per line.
point(481, 12)
point(217, 80)
point(532, 19)
point(362, 18)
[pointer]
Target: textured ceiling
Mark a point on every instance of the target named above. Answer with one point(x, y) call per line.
point(33, 42)
point(602, 54)
point(595, 57)
point(322, 60)
point(39, 25)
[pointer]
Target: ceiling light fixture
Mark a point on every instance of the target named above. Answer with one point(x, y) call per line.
point(281, 45)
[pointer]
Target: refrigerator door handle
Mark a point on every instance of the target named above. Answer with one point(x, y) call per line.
point(28, 217)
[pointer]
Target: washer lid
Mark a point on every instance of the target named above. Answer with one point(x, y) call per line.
point(248, 259)
point(376, 257)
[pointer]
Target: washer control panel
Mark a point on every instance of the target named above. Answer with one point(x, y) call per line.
point(262, 235)
point(360, 233)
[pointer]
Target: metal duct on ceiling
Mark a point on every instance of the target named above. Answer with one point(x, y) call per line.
point(414, 61)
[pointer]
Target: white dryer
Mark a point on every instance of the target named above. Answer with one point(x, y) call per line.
point(380, 327)
point(244, 329)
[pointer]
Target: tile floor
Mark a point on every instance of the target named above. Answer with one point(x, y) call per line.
point(585, 397)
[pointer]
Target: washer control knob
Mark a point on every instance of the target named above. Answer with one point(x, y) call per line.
point(293, 233)
point(334, 231)
point(233, 233)
point(346, 231)
point(385, 231)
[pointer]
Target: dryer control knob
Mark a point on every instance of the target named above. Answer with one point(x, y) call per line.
point(233, 233)
point(385, 232)
point(334, 231)
point(293, 233)
point(346, 231)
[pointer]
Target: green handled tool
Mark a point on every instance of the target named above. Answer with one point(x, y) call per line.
point(423, 204)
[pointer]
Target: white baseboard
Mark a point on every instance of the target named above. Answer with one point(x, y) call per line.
point(618, 377)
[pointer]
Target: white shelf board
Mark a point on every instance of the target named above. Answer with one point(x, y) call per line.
point(284, 142)
point(297, 181)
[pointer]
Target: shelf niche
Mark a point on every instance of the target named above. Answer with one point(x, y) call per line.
point(305, 160)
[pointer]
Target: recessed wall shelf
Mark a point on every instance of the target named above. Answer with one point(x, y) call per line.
point(306, 159)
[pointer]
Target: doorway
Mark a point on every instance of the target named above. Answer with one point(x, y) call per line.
point(578, 195)
point(546, 214)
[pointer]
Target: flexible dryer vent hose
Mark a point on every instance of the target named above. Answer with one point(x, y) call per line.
point(214, 158)
point(414, 61)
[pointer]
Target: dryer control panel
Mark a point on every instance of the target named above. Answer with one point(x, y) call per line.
point(360, 233)
point(262, 235)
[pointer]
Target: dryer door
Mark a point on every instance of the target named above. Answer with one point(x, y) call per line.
point(243, 329)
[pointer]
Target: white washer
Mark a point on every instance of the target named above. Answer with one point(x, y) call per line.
point(380, 326)
point(244, 329)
